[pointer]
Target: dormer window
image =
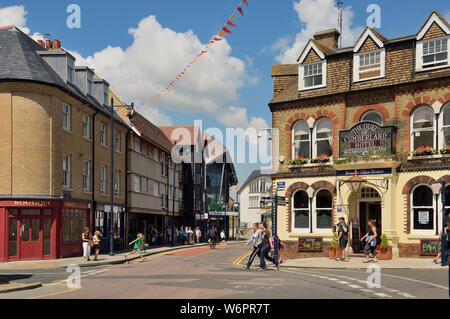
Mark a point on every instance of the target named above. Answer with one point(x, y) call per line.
point(369, 65)
point(90, 84)
point(435, 53)
point(70, 69)
point(313, 75)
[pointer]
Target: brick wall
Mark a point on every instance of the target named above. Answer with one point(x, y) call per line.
point(369, 45)
point(435, 31)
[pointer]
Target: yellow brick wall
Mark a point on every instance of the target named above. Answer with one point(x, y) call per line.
point(312, 57)
point(369, 45)
point(36, 142)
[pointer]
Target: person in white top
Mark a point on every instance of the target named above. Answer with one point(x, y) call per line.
point(222, 235)
point(198, 234)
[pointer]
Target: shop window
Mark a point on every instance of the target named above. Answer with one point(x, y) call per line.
point(301, 211)
point(322, 137)
point(323, 211)
point(422, 209)
point(445, 126)
point(301, 139)
point(372, 116)
point(423, 127)
point(74, 221)
point(31, 212)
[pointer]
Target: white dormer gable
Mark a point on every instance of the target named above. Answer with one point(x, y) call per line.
point(363, 38)
point(433, 42)
point(313, 46)
point(433, 19)
point(312, 75)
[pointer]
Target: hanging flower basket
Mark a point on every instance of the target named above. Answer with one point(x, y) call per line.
point(424, 150)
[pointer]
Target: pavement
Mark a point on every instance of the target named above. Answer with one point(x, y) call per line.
point(357, 263)
point(103, 259)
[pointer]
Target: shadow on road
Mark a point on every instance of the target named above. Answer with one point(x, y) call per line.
point(6, 279)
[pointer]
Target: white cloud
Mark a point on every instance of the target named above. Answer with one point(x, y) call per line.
point(447, 16)
point(156, 56)
point(236, 117)
point(316, 15)
point(14, 15)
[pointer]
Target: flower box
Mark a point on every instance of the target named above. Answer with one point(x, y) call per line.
point(445, 150)
point(321, 159)
point(424, 150)
point(384, 253)
point(298, 161)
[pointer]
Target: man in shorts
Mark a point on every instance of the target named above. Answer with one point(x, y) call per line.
point(342, 239)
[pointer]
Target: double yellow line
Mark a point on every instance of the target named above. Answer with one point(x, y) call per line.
point(241, 258)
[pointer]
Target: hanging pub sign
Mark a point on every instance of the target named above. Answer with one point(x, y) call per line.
point(366, 138)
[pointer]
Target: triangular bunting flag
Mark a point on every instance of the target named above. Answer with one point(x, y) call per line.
point(231, 24)
point(245, 1)
point(217, 39)
point(240, 10)
point(226, 30)
point(221, 34)
point(233, 17)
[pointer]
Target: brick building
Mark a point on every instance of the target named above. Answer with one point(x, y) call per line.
point(380, 109)
point(55, 159)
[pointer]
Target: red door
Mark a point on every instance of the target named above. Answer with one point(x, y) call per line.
point(31, 243)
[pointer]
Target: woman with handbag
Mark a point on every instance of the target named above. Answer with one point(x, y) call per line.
point(86, 237)
point(371, 242)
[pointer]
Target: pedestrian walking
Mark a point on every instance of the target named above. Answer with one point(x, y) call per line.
point(436, 260)
point(138, 246)
point(169, 234)
point(198, 234)
point(255, 240)
point(371, 241)
point(86, 237)
point(212, 238)
point(280, 248)
point(343, 240)
point(266, 247)
point(96, 241)
point(223, 237)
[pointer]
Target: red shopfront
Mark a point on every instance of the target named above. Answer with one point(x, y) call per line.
point(41, 229)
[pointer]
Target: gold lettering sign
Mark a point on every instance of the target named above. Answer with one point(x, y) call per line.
point(32, 203)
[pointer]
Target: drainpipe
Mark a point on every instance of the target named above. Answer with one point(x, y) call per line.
point(94, 204)
point(126, 188)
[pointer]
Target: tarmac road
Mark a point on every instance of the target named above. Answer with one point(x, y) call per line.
point(199, 273)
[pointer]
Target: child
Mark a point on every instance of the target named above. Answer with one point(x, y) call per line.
point(138, 243)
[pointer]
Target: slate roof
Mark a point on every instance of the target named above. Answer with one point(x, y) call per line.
point(253, 175)
point(151, 132)
point(20, 61)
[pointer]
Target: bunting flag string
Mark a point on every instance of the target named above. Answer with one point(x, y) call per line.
point(224, 31)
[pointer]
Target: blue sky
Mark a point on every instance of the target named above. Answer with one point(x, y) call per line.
point(235, 77)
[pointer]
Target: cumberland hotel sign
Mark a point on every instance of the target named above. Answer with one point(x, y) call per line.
point(366, 138)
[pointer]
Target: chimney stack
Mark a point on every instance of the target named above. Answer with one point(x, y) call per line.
point(56, 44)
point(41, 43)
point(48, 44)
point(328, 38)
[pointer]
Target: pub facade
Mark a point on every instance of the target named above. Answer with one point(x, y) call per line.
point(364, 132)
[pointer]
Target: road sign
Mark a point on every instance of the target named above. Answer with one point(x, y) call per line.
point(281, 185)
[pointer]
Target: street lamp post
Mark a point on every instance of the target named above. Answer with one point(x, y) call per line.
point(274, 227)
point(439, 187)
point(173, 199)
point(111, 223)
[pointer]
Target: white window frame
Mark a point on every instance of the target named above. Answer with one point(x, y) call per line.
point(419, 54)
point(117, 183)
point(302, 76)
point(155, 189)
point(86, 126)
point(314, 213)
point(315, 140)
point(300, 230)
point(90, 84)
point(369, 112)
point(105, 95)
point(431, 232)
point(117, 141)
point(441, 125)
point(66, 169)
point(163, 195)
point(357, 65)
point(413, 131)
point(86, 176)
point(103, 179)
point(294, 154)
point(137, 184)
point(70, 69)
point(66, 117)
point(103, 134)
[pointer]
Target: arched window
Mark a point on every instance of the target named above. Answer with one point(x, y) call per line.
point(423, 126)
point(301, 139)
point(445, 126)
point(422, 209)
point(323, 210)
point(447, 203)
point(322, 137)
point(301, 211)
point(372, 116)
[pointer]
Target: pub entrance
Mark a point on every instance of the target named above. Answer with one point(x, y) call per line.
point(369, 208)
